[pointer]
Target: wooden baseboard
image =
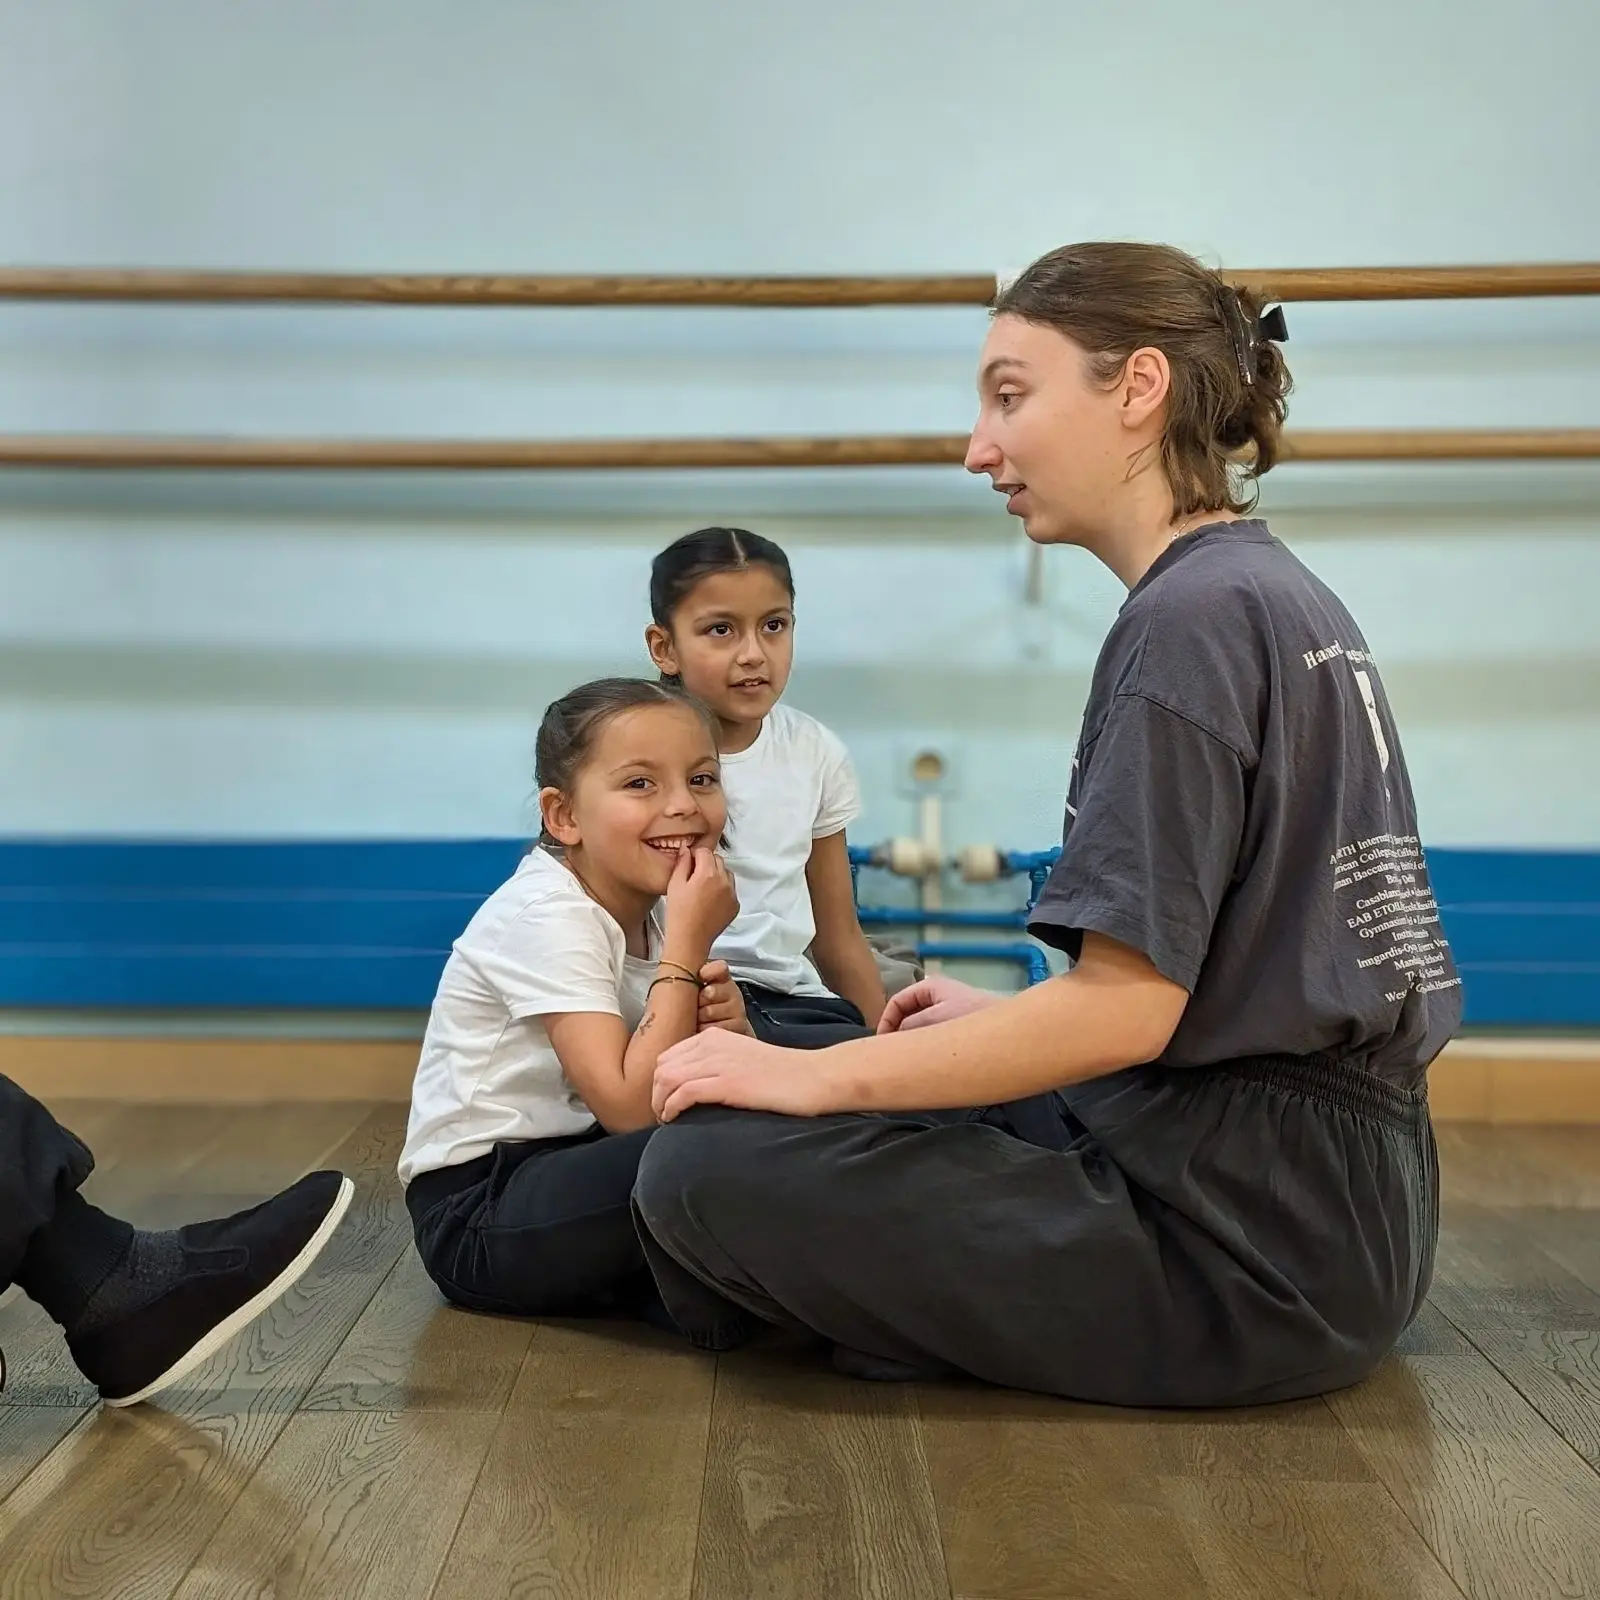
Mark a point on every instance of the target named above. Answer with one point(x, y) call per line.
point(1517, 1080)
point(1525, 1080)
point(220, 1071)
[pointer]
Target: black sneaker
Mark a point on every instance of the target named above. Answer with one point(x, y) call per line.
point(233, 1270)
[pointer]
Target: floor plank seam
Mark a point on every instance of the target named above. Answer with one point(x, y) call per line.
point(83, 1416)
point(47, 1404)
point(227, 1511)
point(705, 1477)
point(1383, 1483)
point(488, 1455)
point(466, 1504)
point(1527, 1399)
point(363, 1112)
point(927, 1477)
point(361, 1311)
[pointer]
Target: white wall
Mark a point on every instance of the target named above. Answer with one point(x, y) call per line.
point(872, 134)
point(303, 656)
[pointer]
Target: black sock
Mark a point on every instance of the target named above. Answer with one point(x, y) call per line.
point(155, 1262)
point(71, 1256)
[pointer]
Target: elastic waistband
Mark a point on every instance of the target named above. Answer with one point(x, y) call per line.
point(1335, 1082)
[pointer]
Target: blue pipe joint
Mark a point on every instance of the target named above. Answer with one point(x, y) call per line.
point(1038, 864)
point(1029, 957)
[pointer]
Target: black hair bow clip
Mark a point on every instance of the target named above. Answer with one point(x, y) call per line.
point(1273, 326)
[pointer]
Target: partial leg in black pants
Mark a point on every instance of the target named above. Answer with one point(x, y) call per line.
point(1223, 1239)
point(541, 1228)
point(141, 1310)
point(801, 1021)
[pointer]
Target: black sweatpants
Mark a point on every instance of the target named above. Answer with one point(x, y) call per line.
point(40, 1163)
point(1253, 1232)
point(801, 1021)
point(537, 1228)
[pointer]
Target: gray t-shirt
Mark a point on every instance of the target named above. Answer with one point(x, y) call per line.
point(1239, 811)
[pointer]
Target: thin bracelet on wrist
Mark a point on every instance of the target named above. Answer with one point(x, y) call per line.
point(671, 977)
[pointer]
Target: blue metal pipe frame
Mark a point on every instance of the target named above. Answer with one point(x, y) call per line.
point(1037, 864)
point(887, 917)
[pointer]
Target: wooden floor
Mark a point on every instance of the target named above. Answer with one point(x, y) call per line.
point(364, 1440)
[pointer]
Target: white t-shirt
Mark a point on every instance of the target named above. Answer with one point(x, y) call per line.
point(794, 785)
point(538, 945)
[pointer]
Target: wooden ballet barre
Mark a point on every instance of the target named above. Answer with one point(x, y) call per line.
point(480, 455)
point(211, 453)
point(162, 285)
point(484, 289)
point(1421, 283)
point(1442, 444)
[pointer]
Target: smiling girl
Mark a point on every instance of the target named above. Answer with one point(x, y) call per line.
point(531, 1104)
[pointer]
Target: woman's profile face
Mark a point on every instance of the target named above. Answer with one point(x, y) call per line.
point(1049, 438)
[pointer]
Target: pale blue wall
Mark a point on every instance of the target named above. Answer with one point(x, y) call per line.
point(267, 656)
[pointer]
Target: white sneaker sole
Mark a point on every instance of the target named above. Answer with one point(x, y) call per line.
point(241, 1319)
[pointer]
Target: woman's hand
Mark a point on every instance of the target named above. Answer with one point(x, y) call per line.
point(721, 1000)
point(718, 1068)
point(701, 901)
point(933, 1000)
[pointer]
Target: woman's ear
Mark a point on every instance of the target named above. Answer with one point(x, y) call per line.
point(555, 812)
point(1146, 383)
point(659, 643)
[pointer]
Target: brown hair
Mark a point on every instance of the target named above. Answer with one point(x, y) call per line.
point(1229, 383)
point(572, 724)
